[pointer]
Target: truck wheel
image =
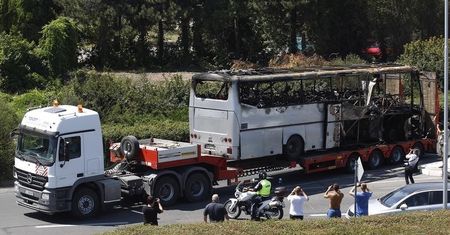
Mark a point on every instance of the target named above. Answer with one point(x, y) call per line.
point(397, 155)
point(351, 161)
point(419, 146)
point(198, 187)
point(375, 159)
point(129, 147)
point(294, 148)
point(167, 190)
point(85, 203)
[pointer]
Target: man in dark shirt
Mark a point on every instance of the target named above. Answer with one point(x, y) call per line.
point(215, 210)
point(151, 210)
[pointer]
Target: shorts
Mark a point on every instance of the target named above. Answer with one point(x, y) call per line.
point(334, 213)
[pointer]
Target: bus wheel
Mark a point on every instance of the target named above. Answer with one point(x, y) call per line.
point(294, 148)
point(419, 146)
point(375, 159)
point(198, 187)
point(397, 155)
point(167, 190)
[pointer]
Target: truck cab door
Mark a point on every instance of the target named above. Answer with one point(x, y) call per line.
point(70, 162)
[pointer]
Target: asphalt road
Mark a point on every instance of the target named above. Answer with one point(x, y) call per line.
point(19, 220)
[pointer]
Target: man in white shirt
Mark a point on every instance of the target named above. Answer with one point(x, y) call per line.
point(297, 199)
point(411, 165)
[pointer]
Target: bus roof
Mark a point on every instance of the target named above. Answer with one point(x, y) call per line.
point(275, 74)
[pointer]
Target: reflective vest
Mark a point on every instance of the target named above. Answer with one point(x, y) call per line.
point(265, 189)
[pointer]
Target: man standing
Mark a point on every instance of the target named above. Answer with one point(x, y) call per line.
point(263, 189)
point(151, 210)
point(215, 210)
point(335, 196)
point(362, 199)
point(411, 165)
point(297, 199)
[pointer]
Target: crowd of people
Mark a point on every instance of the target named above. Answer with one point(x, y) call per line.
point(216, 212)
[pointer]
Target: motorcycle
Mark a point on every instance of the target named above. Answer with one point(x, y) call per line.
point(271, 208)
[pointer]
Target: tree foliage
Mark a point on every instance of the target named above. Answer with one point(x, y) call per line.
point(59, 46)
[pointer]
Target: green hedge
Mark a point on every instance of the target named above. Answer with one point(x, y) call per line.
point(9, 121)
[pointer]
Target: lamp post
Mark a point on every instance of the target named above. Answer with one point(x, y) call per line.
point(445, 157)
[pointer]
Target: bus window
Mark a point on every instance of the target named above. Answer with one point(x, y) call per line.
point(211, 89)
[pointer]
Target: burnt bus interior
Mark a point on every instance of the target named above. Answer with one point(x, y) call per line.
point(379, 103)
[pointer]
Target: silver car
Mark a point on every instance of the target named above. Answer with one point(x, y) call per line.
point(411, 197)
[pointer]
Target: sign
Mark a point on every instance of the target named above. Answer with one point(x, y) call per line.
point(360, 170)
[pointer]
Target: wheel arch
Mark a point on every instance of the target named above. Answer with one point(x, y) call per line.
point(191, 170)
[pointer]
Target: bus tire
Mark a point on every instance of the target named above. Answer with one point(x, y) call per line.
point(197, 188)
point(85, 203)
point(375, 159)
point(397, 155)
point(167, 190)
point(129, 147)
point(294, 148)
point(419, 146)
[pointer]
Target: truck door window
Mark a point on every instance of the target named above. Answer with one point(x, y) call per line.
point(73, 145)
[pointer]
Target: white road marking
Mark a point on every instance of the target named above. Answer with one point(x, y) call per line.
point(55, 226)
point(323, 215)
point(90, 224)
point(139, 212)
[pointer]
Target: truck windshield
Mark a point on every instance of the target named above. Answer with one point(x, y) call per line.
point(37, 148)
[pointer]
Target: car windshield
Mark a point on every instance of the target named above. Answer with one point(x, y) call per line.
point(393, 197)
point(37, 148)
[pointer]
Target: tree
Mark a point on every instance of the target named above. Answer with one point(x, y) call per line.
point(58, 46)
point(9, 122)
point(20, 68)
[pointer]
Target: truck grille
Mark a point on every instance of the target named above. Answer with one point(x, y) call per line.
point(31, 180)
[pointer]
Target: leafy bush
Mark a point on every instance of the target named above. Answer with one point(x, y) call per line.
point(350, 59)
point(425, 55)
point(9, 121)
point(20, 68)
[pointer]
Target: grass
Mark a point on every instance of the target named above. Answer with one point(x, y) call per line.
point(437, 222)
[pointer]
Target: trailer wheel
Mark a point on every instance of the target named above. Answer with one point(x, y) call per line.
point(294, 148)
point(420, 147)
point(351, 162)
point(129, 147)
point(397, 155)
point(375, 159)
point(167, 190)
point(197, 188)
point(85, 203)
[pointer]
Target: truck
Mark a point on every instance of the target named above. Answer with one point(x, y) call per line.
point(240, 122)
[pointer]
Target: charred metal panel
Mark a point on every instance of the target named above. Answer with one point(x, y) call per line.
point(430, 90)
point(333, 133)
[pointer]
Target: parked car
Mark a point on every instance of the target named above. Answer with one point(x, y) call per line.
point(411, 197)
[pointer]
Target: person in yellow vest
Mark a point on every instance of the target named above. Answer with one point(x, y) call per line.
point(263, 189)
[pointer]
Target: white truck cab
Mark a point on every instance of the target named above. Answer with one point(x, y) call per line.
point(59, 162)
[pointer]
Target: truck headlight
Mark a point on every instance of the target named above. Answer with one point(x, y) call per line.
point(45, 196)
point(14, 174)
point(16, 188)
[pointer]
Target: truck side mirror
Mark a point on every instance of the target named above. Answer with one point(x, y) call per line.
point(63, 151)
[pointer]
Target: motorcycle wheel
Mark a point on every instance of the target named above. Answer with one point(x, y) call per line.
point(274, 213)
point(232, 214)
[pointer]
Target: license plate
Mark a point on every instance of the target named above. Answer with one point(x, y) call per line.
point(28, 192)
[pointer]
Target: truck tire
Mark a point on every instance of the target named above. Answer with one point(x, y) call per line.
point(350, 165)
point(397, 155)
point(294, 148)
point(129, 147)
point(167, 190)
point(85, 203)
point(375, 159)
point(197, 188)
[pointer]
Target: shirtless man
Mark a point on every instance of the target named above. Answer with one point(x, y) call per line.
point(335, 196)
